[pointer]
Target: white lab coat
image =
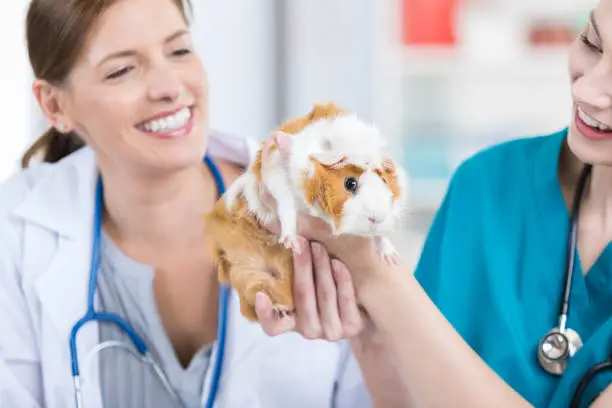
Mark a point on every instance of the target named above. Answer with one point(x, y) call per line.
point(46, 215)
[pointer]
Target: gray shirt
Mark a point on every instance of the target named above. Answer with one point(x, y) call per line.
point(125, 287)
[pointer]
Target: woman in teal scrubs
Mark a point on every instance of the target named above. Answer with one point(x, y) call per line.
point(494, 260)
point(465, 329)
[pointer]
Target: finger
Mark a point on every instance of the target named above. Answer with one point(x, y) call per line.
point(350, 314)
point(271, 324)
point(314, 227)
point(327, 300)
point(307, 316)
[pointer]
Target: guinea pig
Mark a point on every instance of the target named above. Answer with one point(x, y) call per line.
point(329, 164)
point(335, 167)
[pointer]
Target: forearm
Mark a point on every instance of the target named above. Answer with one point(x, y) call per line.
point(439, 366)
point(604, 400)
point(381, 377)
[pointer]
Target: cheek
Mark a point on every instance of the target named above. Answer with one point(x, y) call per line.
point(108, 113)
point(580, 61)
point(197, 80)
point(352, 211)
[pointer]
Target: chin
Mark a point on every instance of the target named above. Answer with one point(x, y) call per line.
point(589, 151)
point(179, 154)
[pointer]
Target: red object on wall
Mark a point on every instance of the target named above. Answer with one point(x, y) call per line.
point(428, 22)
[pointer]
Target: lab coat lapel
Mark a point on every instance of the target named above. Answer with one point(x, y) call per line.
point(60, 232)
point(242, 342)
point(243, 336)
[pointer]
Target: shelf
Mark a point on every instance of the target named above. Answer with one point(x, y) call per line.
point(546, 63)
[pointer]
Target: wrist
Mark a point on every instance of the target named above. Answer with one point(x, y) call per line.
point(369, 339)
point(374, 280)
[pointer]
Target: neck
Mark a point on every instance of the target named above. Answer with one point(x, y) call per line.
point(157, 211)
point(596, 206)
point(598, 197)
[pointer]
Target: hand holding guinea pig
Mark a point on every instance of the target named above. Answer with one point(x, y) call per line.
point(328, 164)
point(325, 300)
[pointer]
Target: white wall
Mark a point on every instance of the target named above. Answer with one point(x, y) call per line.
point(329, 56)
point(236, 41)
point(344, 52)
point(14, 85)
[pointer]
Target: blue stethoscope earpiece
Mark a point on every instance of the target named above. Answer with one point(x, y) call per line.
point(139, 344)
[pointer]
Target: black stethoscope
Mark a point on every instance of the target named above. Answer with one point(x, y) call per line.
point(560, 344)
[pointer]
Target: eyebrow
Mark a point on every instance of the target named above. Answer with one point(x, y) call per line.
point(127, 53)
point(594, 24)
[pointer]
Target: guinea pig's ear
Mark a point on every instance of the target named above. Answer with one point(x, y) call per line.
point(321, 110)
point(329, 158)
point(284, 141)
point(388, 165)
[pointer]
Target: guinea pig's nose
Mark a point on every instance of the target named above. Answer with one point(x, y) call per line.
point(374, 220)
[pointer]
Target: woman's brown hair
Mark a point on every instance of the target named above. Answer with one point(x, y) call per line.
point(56, 31)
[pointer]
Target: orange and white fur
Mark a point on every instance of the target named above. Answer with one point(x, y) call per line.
point(329, 164)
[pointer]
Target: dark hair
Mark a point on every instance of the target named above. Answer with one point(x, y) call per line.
point(56, 31)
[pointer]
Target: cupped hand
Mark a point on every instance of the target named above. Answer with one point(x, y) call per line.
point(324, 298)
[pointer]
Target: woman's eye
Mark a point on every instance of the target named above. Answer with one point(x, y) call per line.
point(182, 51)
point(119, 73)
point(585, 40)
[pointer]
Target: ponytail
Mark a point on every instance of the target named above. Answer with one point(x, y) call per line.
point(53, 145)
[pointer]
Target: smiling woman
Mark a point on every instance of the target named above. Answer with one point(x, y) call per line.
point(130, 158)
point(99, 73)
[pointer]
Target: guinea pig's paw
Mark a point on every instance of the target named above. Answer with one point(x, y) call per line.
point(391, 259)
point(387, 251)
point(281, 311)
point(290, 242)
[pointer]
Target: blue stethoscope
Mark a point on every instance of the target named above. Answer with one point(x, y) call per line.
point(142, 352)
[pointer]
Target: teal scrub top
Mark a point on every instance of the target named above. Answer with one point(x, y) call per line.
point(494, 264)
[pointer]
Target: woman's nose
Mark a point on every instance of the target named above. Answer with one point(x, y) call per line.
point(594, 88)
point(164, 84)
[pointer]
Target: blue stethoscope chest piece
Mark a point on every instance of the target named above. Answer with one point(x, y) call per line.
point(141, 350)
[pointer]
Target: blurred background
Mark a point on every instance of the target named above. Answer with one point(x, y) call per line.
point(441, 78)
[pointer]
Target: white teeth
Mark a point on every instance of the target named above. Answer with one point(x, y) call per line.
point(592, 122)
point(169, 123)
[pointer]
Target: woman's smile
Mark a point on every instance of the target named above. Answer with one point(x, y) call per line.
point(590, 127)
point(170, 124)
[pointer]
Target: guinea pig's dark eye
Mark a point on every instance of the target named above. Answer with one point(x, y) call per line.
point(350, 183)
